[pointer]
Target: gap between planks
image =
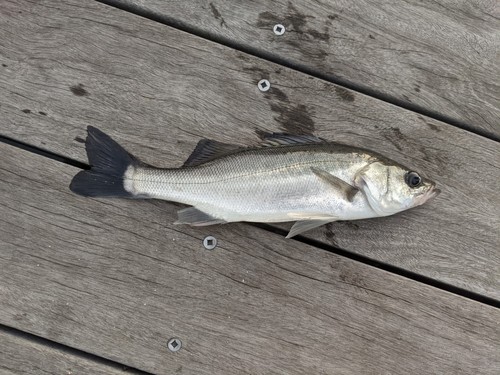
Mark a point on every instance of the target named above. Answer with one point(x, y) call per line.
point(262, 54)
point(317, 244)
point(29, 339)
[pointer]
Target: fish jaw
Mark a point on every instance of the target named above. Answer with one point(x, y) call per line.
point(429, 195)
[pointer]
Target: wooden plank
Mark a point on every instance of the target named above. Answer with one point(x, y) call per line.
point(22, 356)
point(116, 279)
point(140, 82)
point(441, 56)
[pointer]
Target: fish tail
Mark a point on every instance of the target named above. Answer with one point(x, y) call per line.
point(110, 164)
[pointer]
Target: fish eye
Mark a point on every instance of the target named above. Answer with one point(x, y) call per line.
point(413, 179)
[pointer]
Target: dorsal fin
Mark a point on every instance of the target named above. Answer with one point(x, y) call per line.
point(282, 139)
point(207, 150)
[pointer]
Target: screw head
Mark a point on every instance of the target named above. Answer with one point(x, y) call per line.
point(210, 242)
point(174, 344)
point(264, 85)
point(279, 29)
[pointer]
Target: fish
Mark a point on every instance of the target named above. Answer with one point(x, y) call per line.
point(300, 178)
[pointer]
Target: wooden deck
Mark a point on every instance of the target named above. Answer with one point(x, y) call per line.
point(100, 286)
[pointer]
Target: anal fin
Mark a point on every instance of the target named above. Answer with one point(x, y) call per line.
point(193, 216)
point(305, 225)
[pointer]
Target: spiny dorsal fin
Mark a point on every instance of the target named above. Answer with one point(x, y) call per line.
point(282, 139)
point(207, 150)
point(348, 191)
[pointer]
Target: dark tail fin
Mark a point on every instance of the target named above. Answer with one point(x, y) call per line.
point(108, 161)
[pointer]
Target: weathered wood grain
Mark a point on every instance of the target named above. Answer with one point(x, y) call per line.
point(439, 55)
point(115, 278)
point(21, 356)
point(157, 91)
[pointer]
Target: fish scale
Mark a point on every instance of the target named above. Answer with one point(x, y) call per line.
point(262, 185)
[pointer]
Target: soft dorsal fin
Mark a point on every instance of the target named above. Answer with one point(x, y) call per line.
point(207, 150)
point(282, 139)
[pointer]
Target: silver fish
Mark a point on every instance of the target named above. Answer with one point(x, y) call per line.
point(286, 178)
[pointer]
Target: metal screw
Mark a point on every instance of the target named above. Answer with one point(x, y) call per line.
point(209, 242)
point(264, 85)
point(174, 345)
point(279, 29)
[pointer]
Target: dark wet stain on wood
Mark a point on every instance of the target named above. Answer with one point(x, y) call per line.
point(394, 135)
point(257, 72)
point(352, 278)
point(330, 234)
point(217, 15)
point(344, 94)
point(436, 158)
point(317, 35)
point(294, 21)
point(276, 93)
point(433, 126)
point(294, 119)
point(397, 132)
point(20, 316)
point(320, 54)
point(78, 90)
point(267, 19)
point(80, 139)
point(297, 19)
point(42, 113)
point(242, 56)
point(26, 110)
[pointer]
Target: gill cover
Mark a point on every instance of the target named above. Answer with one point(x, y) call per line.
point(387, 190)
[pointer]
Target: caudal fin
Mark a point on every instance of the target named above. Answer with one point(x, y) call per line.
point(109, 162)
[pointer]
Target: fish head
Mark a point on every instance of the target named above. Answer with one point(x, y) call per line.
point(394, 188)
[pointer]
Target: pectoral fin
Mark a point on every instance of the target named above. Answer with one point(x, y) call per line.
point(347, 190)
point(193, 216)
point(305, 225)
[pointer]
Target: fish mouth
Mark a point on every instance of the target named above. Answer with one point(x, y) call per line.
point(429, 195)
point(434, 193)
